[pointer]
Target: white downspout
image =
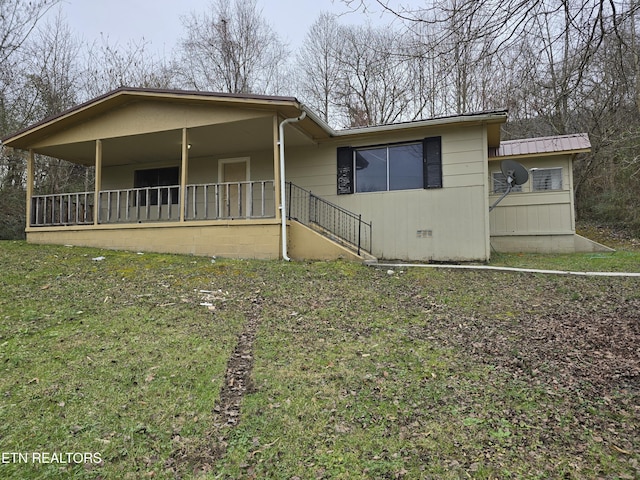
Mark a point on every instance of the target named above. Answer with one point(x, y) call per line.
point(283, 203)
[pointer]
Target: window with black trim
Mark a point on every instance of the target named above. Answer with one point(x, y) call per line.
point(380, 168)
point(157, 177)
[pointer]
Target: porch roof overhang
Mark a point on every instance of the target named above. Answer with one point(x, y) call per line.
point(249, 130)
point(248, 125)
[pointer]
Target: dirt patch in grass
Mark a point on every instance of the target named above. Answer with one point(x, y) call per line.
point(576, 333)
point(227, 410)
point(238, 376)
point(595, 348)
point(576, 340)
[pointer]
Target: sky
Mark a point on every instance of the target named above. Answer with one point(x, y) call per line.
point(159, 21)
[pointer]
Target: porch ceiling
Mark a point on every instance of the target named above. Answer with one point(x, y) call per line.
point(224, 139)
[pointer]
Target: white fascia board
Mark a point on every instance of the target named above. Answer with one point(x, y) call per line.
point(434, 122)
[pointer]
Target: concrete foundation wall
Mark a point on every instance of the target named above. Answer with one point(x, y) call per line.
point(250, 239)
point(561, 243)
point(306, 244)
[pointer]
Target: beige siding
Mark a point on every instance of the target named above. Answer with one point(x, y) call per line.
point(202, 170)
point(434, 224)
point(149, 117)
point(535, 213)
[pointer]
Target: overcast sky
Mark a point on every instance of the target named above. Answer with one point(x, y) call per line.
point(159, 21)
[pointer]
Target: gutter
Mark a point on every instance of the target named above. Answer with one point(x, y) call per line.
point(283, 206)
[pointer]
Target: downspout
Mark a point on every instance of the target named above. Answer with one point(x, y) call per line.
point(283, 209)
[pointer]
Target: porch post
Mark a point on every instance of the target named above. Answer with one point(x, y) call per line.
point(183, 173)
point(98, 183)
point(30, 175)
point(276, 167)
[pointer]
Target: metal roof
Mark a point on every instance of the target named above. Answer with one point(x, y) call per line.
point(574, 143)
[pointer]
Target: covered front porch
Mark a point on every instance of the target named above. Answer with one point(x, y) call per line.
point(217, 171)
point(175, 171)
point(166, 166)
point(185, 190)
point(161, 206)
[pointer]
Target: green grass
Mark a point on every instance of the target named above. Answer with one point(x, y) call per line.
point(106, 356)
point(619, 261)
point(357, 373)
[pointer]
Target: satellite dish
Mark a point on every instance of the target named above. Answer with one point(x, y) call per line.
point(515, 174)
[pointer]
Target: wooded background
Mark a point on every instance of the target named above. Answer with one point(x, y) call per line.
point(558, 66)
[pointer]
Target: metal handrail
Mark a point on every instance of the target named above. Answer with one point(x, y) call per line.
point(335, 221)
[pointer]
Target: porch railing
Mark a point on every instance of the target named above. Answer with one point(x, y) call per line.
point(336, 222)
point(62, 209)
point(231, 200)
point(140, 204)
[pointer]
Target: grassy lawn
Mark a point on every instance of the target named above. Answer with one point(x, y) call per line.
point(626, 258)
point(618, 261)
point(357, 372)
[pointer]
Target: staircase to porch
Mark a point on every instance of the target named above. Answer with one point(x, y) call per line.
point(329, 220)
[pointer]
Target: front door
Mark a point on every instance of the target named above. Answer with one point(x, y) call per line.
point(233, 175)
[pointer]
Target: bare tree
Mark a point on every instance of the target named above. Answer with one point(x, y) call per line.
point(52, 85)
point(111, 65)
point(319, 67)
point(17, 21)
point(375, 86)
point(231, 48)
point(53, 74)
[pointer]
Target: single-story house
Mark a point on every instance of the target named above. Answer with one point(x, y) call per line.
point(256, 176)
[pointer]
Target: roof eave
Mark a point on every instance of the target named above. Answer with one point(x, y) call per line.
point(124, 94)
point(496, 117)
point(540, 154)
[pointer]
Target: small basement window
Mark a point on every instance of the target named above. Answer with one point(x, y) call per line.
point(546, 179)
point(157, 177)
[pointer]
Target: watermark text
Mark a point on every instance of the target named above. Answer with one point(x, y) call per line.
point(51, 457)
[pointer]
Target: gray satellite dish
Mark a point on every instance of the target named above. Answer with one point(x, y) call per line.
point(515, 174)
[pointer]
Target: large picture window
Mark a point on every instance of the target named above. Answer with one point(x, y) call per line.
point(397, 167)
point(384, 168)
point(157, 177)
